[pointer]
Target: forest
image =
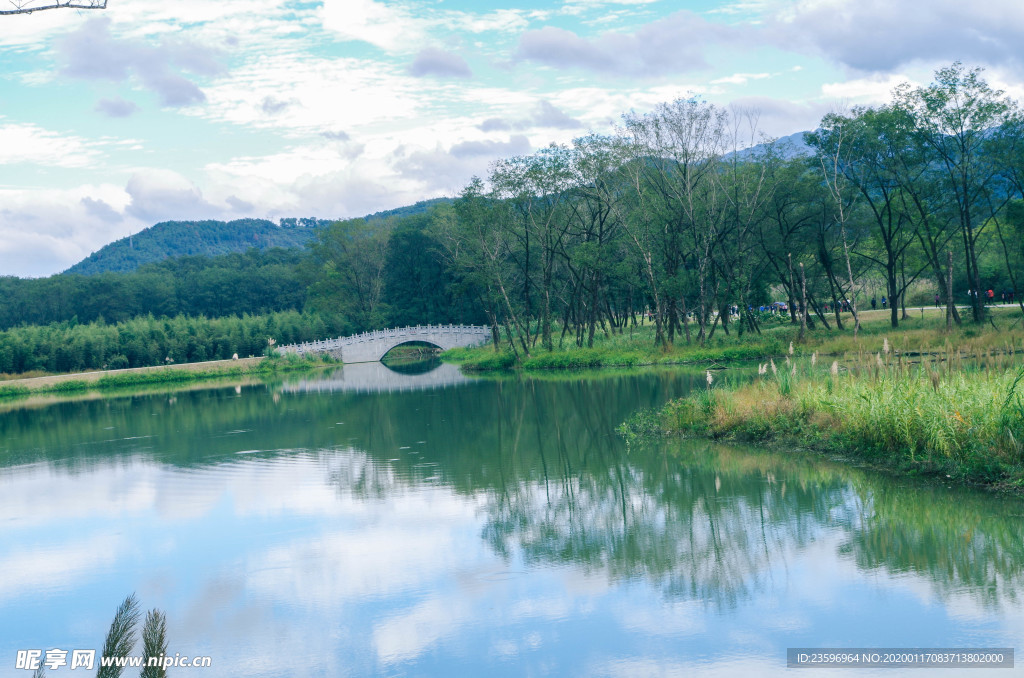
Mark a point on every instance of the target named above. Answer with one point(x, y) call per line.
point(685, 217)
point(172, 239)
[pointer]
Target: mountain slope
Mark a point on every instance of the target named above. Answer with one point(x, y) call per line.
point(170, 239)
point(789, 147)
point(182, 238)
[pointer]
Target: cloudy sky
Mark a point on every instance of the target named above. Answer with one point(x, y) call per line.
point(113, 120)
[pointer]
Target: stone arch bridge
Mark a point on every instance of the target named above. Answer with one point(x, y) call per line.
point(370, 347)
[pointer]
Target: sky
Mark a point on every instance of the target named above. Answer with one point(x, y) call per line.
point(152, 110)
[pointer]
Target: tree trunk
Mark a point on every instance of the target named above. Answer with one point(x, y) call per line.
point(803, 307)
point(950, 306)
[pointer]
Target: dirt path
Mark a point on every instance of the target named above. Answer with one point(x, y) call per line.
point(40, 382)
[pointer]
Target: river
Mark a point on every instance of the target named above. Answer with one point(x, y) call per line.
point(371, 522)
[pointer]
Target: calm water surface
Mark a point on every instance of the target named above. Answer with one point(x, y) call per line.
point(375, 523)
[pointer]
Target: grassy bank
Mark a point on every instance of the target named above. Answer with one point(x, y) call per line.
point(147, 376)
point(626, 350)
point(920, 333)
point(942, 417)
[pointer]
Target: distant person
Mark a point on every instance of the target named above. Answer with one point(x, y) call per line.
point(991, 296)
point(883, 301)
point(937, 301)
point(873, 303)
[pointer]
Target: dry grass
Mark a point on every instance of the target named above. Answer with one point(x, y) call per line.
point(958, 417)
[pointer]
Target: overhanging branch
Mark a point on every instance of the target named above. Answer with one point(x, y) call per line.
point(29, 6)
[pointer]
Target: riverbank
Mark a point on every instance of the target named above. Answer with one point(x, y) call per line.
point(102, 380)
point(921, 333)
point(937, 417)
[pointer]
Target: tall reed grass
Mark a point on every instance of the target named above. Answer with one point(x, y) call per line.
point(945, 414)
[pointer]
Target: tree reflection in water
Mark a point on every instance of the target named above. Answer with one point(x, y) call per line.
point(699, 521)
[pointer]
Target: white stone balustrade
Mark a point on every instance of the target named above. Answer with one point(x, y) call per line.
point(372, 346)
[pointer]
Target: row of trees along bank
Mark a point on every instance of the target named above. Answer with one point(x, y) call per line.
point(683, 214)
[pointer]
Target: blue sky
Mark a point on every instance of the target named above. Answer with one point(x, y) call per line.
point(113, 120)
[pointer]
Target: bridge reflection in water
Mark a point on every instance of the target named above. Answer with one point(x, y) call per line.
point(378, 378)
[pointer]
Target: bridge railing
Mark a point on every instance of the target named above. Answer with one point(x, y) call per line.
point(325, 345)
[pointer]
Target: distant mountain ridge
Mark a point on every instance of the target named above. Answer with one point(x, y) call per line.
point(788, 147)
point(211, 237)
point(182, 238)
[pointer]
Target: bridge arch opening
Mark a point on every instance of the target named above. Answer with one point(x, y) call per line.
point(410, 352)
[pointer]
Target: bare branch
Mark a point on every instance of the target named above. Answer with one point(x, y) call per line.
point(29, 6)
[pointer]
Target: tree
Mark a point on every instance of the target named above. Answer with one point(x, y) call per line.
point(831, 147)
point(880, 143)
point(29, 6)
point(534, 188)
point(349, 259)
point(958, 118)
point(678, 148)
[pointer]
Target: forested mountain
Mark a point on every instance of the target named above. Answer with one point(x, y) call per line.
point(357, 274)
point(170, 239)
point(183, 238)
point(787, 148)
point(257, 281)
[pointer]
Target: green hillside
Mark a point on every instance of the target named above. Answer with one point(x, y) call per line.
point(188, 238)
point(170, 239)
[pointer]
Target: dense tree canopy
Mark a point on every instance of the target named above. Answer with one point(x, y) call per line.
point(680, 216)
point(685, 217)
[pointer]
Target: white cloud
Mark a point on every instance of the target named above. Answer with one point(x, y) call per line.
point(883, 35)
point(676, 43)
point(388, 26)
point(399, 29)
point(30, 143)
point(740, 78)
point(875, 89)
point(43, 231)
point(322, 94)
point(438, 62)
point(500, 21)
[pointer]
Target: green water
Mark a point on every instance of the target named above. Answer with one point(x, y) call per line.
point(426, 524)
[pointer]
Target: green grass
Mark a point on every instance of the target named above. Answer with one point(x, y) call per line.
point(919, 333)
point(132, 379)
point(629, 349)
point(964, 421)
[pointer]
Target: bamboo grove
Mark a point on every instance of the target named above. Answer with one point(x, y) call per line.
point(687, 217)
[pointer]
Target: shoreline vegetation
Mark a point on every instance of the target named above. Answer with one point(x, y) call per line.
point(108, 380)
point(918, 400)
point(921, 333)
point(942, 416)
